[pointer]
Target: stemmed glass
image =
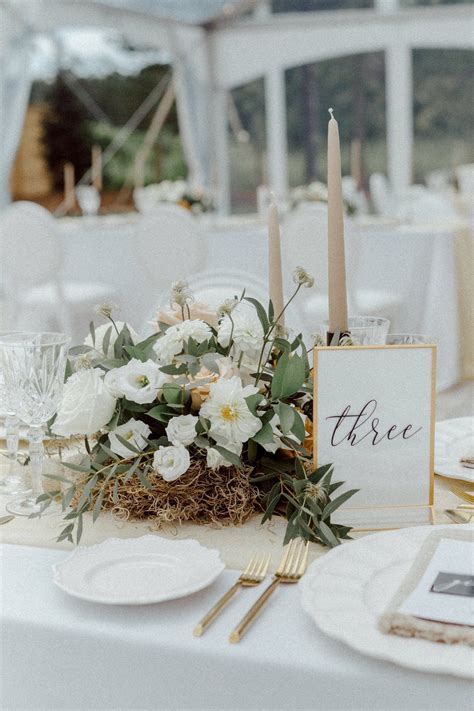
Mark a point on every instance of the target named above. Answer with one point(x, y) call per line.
point(14, 481)
point(34, 366)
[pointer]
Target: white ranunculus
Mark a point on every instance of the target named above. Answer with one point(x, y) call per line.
point(182, 429)
point(171, 462)
point(100, 332)
point(214, 459)
point(174, 338)
point(230, 417)
point(137, 381)
point(134, 431)
point(86, 405)
point(247, 332)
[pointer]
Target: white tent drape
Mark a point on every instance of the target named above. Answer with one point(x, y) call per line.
point(15, 87)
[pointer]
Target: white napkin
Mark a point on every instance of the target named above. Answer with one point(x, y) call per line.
point(435, 600)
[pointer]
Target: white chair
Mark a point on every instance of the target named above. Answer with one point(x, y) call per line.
point(35, 293)
point(354, 197)
point(212, 287)
point(383, 199)
point(305, 243)
point(169, 245)
point(465, 178)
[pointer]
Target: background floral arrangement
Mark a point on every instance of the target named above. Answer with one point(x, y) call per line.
point(220, 402)
point(178, 192)
point(318, 192)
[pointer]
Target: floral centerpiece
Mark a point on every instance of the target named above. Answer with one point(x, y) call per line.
point(207, 419)
point(318, 192)
point(177, 192)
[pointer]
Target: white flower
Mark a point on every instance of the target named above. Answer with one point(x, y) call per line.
point(182, 429)
point(302, 278)
point(214, 459)
point(106, 309)
point(86, 405)
point(134, 432)
point(231, 419)
point(247, 332)
point(174, 338)
point(137, 381)
point(100, 332)
point(171, 462)
point(226, 308)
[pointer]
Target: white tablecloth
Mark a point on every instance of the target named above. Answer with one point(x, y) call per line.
point(63, 653)
point(418, 262)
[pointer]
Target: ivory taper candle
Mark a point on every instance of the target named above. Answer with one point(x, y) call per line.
point(337, 293)
point(97, 167)
point(275, 279)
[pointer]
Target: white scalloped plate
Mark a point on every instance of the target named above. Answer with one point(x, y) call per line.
point(137, 571)
point(347, 590)
point(454, 438)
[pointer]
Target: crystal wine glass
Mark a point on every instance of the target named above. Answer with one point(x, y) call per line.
point(34, 365)
point(14, 481)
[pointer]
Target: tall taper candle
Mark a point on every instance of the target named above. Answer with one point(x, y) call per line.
point(336, 258)
point(275, 279)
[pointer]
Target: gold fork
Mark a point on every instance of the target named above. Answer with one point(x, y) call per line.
point(290, 570)
point(253, 575)
point(459, 491)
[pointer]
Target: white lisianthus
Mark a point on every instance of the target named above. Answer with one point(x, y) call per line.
point(247, 332)
point(230, 417)
point(182, 429)
point(174, 338)
point(214, 459)
point(134, 431)
point(100, 332)
point(137, 381)
point(171, 462)
point(86, 405)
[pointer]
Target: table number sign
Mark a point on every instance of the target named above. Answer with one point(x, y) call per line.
point(374, 417)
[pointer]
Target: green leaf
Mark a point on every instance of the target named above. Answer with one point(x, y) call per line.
point(77, 467)
point(128, 444)
point(109, 452)
point(57, 477)
point(80, 350)
point(68, 497)
point(85, 495)
point(133, 406)
point(327, 535)
point(172, 393)
point(261, 313)
point(320, 472)
point(143, 479)
point(92, 332)
point(136, 352)
point(106, 340)
point(298, 427)
point(98, 506)
point(132, 469)
point(162, 413)
point(173, 369)
point(286, 413)
point(336, 503)
point(230, 457)
point(253, 401)
point(148, 341)
point(289, 376)
point(273, 498)
point(264, 435)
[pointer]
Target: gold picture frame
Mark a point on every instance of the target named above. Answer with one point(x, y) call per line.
point(426, 509)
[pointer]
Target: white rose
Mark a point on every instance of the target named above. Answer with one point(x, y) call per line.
point(214, 459)
point(172, 342)
point(86, 405)
point(171, 462)
point(134, 432)
point(182, 429)
point(247, 332)
point(100, 332)
point(137, 381)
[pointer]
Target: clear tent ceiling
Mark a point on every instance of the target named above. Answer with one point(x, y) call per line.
point(195, 12)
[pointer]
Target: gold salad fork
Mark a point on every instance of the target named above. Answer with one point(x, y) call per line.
point(253, 575)
point(291, 568)
point(459, 491)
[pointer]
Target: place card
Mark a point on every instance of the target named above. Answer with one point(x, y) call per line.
point(374, 417)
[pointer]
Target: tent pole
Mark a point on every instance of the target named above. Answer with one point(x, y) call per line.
point(275, 117)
